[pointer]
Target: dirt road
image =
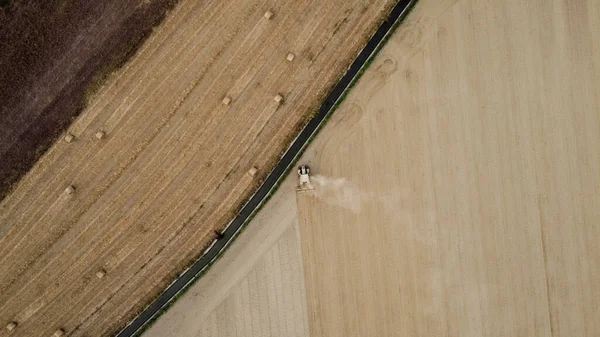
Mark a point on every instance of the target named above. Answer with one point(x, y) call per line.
point(268, 302)
point(173, 163)
point(268, 249)
point(459, 185)
point(255, 289)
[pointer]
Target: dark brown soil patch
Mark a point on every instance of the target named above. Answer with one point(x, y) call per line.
point(51, 53)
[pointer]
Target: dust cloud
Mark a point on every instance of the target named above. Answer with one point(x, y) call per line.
point(339, 192)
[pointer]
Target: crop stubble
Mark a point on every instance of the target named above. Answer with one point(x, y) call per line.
point(173, 164)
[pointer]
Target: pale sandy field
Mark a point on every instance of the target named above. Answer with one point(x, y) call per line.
point(461, 180)
point(255, 289)
point(268, 302)
point(173, 163)
point(457, 189)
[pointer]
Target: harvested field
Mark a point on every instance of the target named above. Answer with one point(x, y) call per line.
point(172, 162)
point(53, 55)
point(459, 187)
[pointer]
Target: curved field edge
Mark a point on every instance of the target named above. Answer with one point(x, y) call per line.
point(39, 129)
point(324, 118)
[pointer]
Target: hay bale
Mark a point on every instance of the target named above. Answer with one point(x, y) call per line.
point(100, 134)
point(268, 15)
point(59, 333)
point(290, 57)
point(70, 190)
point(100, 273)
point(11, 326)
point(278, 98)
point(226, 100)
point(252, 171)
point(69, 137)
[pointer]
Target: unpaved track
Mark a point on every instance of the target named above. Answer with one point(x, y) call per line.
point(227, 301)
point(460, 188)
point(173, 164)
point(269, 301)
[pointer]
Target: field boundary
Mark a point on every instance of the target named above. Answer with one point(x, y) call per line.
point(201, 265)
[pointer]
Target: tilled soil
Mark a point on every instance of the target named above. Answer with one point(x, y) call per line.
point(53, 54)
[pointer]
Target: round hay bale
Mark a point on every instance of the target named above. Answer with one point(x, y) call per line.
point(69, 138)
point(268, 15)
point(70, 190)
point(290, 57)
point(100, 134)
point(278, 98)
point(252, 171)
point(11, 326)
point(100, 273)
point(226, 100)
point(59, 333)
